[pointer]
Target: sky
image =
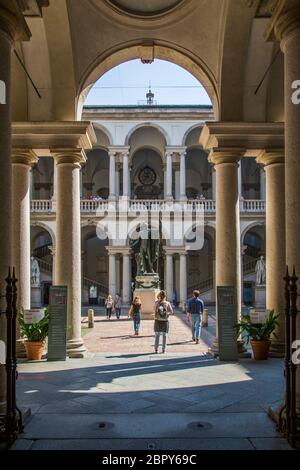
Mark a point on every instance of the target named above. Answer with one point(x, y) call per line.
point(128, 83)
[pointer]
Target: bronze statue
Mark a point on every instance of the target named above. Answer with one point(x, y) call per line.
point(147, 258)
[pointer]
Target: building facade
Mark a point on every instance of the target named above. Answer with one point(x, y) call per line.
point(147, 161)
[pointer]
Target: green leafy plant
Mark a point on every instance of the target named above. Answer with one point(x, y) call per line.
point(258, 331)
point(34, 331)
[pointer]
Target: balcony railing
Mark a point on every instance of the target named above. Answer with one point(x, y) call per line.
point(41, 205)
point(92, 206)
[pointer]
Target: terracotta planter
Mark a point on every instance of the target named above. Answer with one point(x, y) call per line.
point(34, 350)
point(260, 349)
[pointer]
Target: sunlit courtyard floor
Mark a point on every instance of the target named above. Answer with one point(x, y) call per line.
point(129, 398)
point(117, 335)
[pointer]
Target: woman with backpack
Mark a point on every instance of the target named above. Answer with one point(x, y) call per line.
point(135, 312)
point(162, 310)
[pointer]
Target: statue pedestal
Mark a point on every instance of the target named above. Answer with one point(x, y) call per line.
point(260, 296)
point(147, 288)
point(36, 294)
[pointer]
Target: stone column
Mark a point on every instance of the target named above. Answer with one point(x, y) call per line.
point(286, 26)
point(177, 185)
point(112, 175)
point(126, 176)
point(112, 281)
point(182, 176)
point(68, 241)
point(118, 179)
point(118, 274)
point(23, 160)
point(275, 240)
point(228, 268)
point(12, 27)
point(169, 275)
point(262, 184)
point(213, 183)
point(53, 253)
point(183, 278)
point(126, 276)
point(169, 180)
point(240, 182)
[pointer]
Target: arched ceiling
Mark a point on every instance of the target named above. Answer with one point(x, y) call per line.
point(218, 41)
point(146, 7)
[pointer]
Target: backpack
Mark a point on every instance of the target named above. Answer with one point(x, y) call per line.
point(162, 313)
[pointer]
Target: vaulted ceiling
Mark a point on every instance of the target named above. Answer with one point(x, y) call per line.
point(220, 41)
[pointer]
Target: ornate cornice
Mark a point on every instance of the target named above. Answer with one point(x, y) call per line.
point(45, 135)
point(12, 21)
point(245, 135)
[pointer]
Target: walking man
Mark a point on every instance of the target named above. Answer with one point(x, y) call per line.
point(194, 311)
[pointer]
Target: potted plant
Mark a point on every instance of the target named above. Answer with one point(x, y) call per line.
point(35, 335)
point(259, 334)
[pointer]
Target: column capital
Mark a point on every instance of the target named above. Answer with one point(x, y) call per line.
point(168, 250)
point(119, 150)
point(180, 251)
point(284, 22)
point(72, 156)
point(24, 157)
point(114, 250)
point(271, 157)
point(228, 155)
point(12, 21)
point(175, 151)
point(126, 251)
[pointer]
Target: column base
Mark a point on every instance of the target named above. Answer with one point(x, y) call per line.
point(20, 349)
point(277, 349)
point(76, 348)
point(214, 350)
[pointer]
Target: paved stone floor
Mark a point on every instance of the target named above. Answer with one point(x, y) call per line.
point(117, 335)
point(122, 396)
point(144, 401)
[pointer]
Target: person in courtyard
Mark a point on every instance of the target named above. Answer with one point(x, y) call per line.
point(135, 312)
point(162, 310)
point(118, 306)
point(194, 312)
point(109, 305)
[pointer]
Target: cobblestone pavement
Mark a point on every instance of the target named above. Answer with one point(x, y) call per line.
point(117, 336)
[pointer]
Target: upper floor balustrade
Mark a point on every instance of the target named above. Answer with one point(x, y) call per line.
point(92, 206)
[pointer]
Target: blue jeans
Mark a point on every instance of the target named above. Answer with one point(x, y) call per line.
point(164, 340)
point(137, 323)
point(196, 326)
point(118, 312)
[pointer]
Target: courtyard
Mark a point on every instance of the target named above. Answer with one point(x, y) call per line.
point(122, 396)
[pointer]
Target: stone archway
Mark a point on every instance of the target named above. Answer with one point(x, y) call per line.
point(147, 53)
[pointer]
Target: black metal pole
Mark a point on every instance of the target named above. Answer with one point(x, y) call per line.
point(285, 427)
point(10, 418)
point(293, 367)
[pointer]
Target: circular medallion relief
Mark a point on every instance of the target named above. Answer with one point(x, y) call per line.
point(145, 7)
point(147, 176)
